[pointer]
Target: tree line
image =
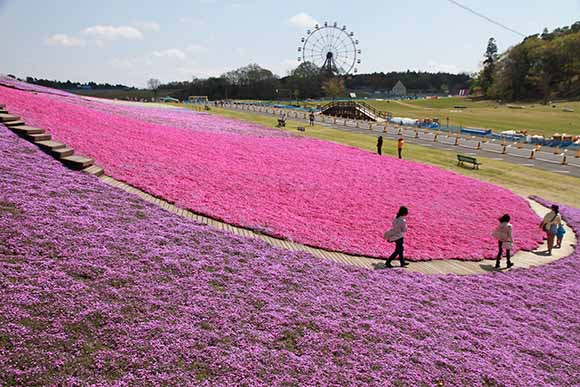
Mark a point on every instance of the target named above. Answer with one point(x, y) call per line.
point(68, 85)
point(306, 81)
point(543, 66)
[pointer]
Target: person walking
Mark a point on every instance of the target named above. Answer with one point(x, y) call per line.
point(380, 145)
point(560, 235)
point(550, 225)
point(311, 118)
point(400, 145)
point(503, 234)
point(397, 234)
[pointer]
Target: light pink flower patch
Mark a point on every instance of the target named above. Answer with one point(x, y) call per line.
point(314, 192)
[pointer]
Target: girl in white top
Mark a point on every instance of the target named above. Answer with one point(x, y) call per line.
point(396, 234)
point(503, 234)
point(550, 225)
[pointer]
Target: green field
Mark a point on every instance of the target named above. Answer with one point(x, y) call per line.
point(522, 180)
point(535, 118)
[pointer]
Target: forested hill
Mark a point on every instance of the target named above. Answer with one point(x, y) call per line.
point(413, 80)
point(543, 66)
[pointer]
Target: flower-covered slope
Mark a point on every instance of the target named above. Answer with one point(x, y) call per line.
point(99, 288)
point(310, 191)
point(177, 117)
point(19, 85)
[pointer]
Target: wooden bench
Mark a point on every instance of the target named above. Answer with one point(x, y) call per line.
point(469, 160)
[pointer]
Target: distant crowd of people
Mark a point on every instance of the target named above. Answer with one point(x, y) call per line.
point(551, 224)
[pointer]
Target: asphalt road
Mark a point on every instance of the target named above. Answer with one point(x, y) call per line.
point(569, 170)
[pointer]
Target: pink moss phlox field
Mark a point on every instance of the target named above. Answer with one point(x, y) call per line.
point(177, 117)
point(13, 83)
point(314, 192)
point(99, 288)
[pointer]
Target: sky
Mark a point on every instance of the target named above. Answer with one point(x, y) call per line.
point(130, 41)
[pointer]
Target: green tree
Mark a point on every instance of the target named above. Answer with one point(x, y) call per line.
point(334, 87)
point(153, 84)
point(542, 66)
point(488, 65)
point(306, 79)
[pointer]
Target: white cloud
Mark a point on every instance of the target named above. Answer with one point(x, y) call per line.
point(112, 32)
point(64, 40)
point(241, 51)
point(148, 26)
point(303, 20)
point(170, 53)
point(99, 34)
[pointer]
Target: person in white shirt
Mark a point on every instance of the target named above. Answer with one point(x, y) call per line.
point(550, 225)
point(397, 234)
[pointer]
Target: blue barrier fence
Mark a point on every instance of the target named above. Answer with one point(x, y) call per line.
point(488, 133)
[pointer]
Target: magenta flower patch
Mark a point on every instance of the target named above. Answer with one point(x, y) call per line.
point(313, 192)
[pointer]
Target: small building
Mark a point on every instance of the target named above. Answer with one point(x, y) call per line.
point(399, 89)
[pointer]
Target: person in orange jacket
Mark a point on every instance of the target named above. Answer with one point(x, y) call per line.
point(400, 145)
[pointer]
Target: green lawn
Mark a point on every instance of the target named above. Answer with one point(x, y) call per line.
point(535, 118)
point(522, 180)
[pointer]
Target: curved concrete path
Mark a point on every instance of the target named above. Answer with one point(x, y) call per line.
point(523, 259)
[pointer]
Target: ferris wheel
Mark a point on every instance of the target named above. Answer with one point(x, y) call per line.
point(331, 48)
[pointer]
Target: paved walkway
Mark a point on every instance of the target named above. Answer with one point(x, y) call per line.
point(377, 129)
point(522, 259)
